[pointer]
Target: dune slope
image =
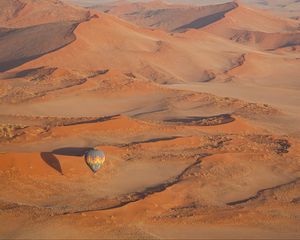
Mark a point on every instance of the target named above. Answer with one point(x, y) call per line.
point(24, 13)
point(21, 45)
point(181, 162)
point(167, 16)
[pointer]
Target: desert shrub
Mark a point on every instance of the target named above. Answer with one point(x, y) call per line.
point(9, 131)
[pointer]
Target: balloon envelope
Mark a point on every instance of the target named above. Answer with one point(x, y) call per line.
point(94, 159)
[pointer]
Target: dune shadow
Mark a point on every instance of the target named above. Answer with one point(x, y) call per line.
point(203, 121)
point(153, 140)
point(205, 20)
point(96, 120)
point(52, 161)
point(71, 151)
point(35, 35)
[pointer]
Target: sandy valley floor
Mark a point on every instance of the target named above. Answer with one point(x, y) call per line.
point(200, 127)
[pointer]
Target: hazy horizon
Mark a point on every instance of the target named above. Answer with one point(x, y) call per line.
point(197, 2)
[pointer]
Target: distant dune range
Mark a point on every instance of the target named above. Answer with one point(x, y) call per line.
point(196, 108)
point(244, 46)
point(246, 26)
point(162, 16)
point(147, 51)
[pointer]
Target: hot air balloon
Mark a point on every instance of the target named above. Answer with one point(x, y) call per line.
point(94, 159)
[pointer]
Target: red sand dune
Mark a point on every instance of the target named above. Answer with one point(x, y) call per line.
point(24, 13)
point(17, 48)
point(157, 14)
point(180, 161)
point(257, 28)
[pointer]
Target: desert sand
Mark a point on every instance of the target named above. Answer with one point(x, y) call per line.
point(197, 109)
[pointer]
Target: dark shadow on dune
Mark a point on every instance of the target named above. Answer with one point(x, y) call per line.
point(33, 71)
point(150, 112)
point(204, 21)
point(153, 140)
point(41, 33)
point(288, 44)
point(4, 31)
point(52, 161)
point(203, 121)
point(101, 119)
point(57, 35)
point(5, 66)
point(39, 71)
point(27, 72)
point(71, 151)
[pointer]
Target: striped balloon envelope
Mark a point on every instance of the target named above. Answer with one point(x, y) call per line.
point(94, 159)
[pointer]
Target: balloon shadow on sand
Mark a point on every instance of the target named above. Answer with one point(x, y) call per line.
point(52, 161)
point(72, 151)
